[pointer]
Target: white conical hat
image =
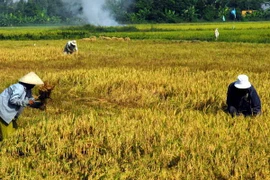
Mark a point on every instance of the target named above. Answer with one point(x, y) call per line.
point(31, 78)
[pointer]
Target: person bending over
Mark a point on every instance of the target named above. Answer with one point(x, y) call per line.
point(71, 47)
point(14, 99)
point(242, 98)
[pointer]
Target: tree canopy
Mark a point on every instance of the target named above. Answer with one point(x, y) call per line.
point(22, 12)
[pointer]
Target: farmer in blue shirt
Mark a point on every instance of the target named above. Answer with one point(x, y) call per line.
point(13, 100)
point(242, 98)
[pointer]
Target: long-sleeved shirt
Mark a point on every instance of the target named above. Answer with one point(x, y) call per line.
point(244, 100)
point(13, 100)
point(69, 48)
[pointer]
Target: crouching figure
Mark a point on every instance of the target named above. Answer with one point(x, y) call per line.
point(71, 47)
point(14, 99)
point(242, 98)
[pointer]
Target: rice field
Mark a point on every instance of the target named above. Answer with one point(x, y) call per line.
point(138, 109)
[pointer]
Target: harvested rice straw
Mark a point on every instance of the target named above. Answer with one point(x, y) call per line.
point(44, 94)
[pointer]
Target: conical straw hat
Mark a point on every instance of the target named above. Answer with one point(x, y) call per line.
point(31, 78)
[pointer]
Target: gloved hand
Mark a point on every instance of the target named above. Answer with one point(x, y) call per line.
point(31, 102)
point(37, 105)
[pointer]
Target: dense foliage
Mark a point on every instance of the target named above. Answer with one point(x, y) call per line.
point(184, 10)
point(22, 12)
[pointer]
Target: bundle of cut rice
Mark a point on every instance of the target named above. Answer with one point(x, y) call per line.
point(45, 94)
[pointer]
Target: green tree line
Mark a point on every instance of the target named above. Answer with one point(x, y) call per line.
point(23, 12)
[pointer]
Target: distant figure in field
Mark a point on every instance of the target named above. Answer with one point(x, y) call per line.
point(71, 47)
point(216, 33)
point(242, 98)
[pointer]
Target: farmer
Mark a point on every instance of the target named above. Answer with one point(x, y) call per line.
point(242, 98)
point(71, 47)
point(13, 100)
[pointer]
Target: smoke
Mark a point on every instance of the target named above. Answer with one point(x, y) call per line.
point(92, 11)
point(96, 14)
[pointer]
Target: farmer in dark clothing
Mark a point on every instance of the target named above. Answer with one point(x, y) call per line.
point(242, 98)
